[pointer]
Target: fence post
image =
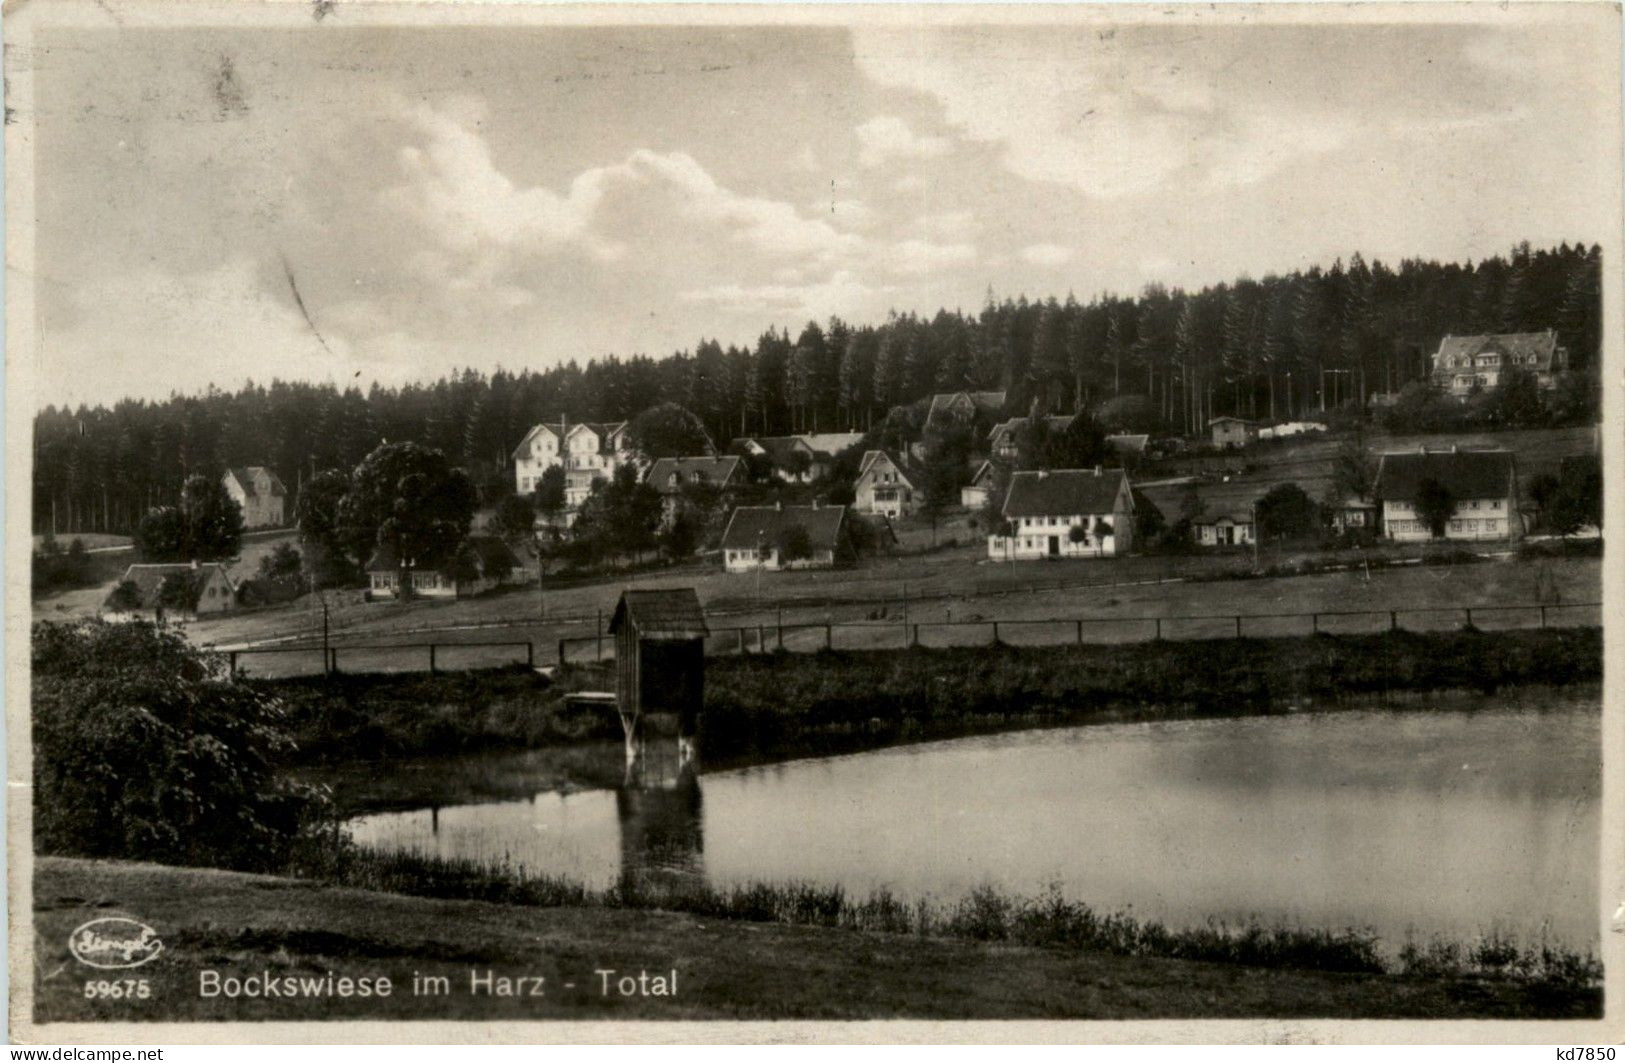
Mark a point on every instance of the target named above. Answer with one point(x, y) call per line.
point(1393, 620)
point(1542, 619)
point(1080, 631)
point(1238, 626)
point(1314, 622)
point(233, 655)
point(333, 661)
point(829, 636)
point(995, 631)
point(761, 638)
point(561, 653)
point(431, 659)
point(740, 632)
point(1159, 629)
point(781, 627)
point(914, 637)
point(530, 654)
point(1469, 613)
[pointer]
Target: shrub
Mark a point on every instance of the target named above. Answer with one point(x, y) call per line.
point(145, 749)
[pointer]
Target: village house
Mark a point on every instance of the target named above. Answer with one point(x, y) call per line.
point(977, 490)
point(829, 445)
point(184, 591)
point(1463, 364)
point(963, 407)
point(887, 485)
point(1350, 513)
point(586, 450)
point(673, 476)
point(1065, 513)
point(791, 458)
point(1232, 432)
point(757, 536)
point(1482, 485)
point(1005, 439)
point(483, 562)
point(259, 493)
point(1232, 527)
point(1130, 449)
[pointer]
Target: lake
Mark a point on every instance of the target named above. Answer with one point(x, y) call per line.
point(1427, 822)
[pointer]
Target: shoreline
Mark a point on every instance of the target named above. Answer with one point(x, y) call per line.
point(241, 924)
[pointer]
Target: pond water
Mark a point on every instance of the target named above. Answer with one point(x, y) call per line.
point(1432, 823)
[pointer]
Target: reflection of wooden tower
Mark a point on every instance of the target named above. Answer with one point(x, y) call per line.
point(662, 829)
point(659, 663)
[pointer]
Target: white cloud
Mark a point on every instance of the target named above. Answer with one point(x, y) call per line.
point(915, 257)
point(947, 223)
point(887, 137)
point(1047, 254)
point(482, 225)
point(1094, 116)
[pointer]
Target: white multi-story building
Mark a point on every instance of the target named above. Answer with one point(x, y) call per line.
point(1464, 363)
point(1065, 513)
point(586, 450)
point(1481, 485)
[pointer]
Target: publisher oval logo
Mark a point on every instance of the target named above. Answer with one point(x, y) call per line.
point(114, 942)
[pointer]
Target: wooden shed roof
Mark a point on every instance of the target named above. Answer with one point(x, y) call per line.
point(661, 614)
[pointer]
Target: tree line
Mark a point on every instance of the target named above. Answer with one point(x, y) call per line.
point(1277, 347)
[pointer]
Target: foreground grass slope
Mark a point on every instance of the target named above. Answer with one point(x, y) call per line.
point(245, 924)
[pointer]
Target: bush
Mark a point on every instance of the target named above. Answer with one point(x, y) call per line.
point(144, 749)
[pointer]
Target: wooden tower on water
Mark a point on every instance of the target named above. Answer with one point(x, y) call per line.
point(659, 663)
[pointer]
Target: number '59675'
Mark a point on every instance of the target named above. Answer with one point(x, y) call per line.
point(118, 989)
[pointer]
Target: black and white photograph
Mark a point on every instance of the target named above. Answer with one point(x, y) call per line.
point(729, 521)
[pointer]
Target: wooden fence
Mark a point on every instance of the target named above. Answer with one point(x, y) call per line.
point(768, 637)
point(442, 655)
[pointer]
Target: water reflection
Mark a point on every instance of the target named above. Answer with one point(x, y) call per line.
point(662, 829)
point(1439, 823)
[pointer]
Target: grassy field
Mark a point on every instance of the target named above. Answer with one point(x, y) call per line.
point(240, 924)
point(1307, 461)
point(958, 593)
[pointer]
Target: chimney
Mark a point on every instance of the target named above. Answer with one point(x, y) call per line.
point(1097, 470)
point(778, 505)
point(815, 502)
point(194, 564)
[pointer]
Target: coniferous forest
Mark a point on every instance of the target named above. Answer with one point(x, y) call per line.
point(1275, 348)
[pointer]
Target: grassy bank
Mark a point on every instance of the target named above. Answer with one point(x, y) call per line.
point(784, 704)
point(728, 968)
point(986, 914)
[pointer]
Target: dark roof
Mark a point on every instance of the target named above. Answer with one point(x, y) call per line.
point(1464, 473)
point(245, 476)
point(1227, 419)
point(149, 578)
point(1541, 345)
point(911, 473)
point(1058, 422)
point(779, 448)
point(984, 468)
point(823, 524)
point(714, 471)
point(673, 614)
point(982, 402)
point(1063, 492)
point(1128, 445)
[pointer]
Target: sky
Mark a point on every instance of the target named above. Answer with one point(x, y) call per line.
point(359, 203)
